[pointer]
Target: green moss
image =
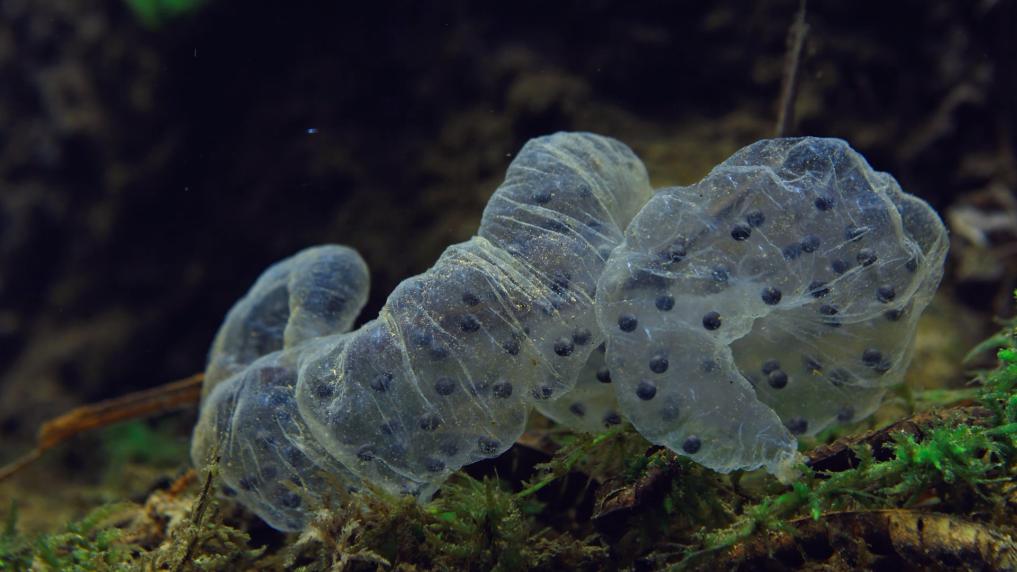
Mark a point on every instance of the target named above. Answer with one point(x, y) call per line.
point(485, 525)
point(481, 521)
point(473, 525)
point(15, 550)
point(951, 462)
point(155, 13)
point(84, 545)
point(139, 442)
point(697, 500)
point(575, 449)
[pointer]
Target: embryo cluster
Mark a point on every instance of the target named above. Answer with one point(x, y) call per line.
point(773, 298)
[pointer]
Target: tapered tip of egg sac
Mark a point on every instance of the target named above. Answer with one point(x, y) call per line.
point(787, 467)
point(317, 292)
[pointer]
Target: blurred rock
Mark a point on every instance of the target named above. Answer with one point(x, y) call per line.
point(148, 175)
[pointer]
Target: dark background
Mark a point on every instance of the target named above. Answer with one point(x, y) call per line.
point(150, 172)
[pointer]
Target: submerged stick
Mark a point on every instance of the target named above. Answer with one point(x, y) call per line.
point(164, 398)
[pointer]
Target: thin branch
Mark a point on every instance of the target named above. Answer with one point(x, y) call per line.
point(792, 72)
point(164, 398)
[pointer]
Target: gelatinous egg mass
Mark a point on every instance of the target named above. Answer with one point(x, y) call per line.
point(797, 275)
point(775, 297)
point(458, 356)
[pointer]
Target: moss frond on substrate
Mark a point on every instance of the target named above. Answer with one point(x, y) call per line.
point(473, 525)
point(944, 488)
point(15, 549)
point(962, 468)
point(87, 544)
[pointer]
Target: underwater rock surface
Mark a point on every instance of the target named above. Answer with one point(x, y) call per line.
point(775, 297)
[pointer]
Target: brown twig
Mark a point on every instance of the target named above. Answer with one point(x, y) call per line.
point(181, 393)
point(792, 72)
